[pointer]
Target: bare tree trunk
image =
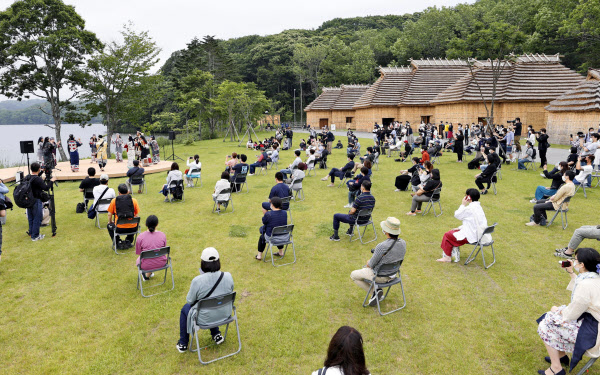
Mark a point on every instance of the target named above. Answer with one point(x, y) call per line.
point(57, 127)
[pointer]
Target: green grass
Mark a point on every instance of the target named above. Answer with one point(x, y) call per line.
point(70, 305)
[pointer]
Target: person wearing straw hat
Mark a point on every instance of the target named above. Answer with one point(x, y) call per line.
point(392, 250)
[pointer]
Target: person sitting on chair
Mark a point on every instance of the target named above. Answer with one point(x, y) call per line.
point(209, 280)
point(274, 157)
point(345, 354)
point(297, 174)
point(174, 175)
point(425, 193)
point(194, 169)
point(230, 161)
point(150, 240)
point(363, 202)
point(123, 206)
point(340, 173)
point(222, 184)
point(135, 171)
point(241, 167)
point(551, 204)
point(528, 156)
point(474, 223)
point(407, 150)
point(487, 172)
point(557, 181)
point(580, 234)
point(369, 156)
point(339, 144)
point(89, 181)
point(261, 161)
point(424, 157)
point(354, 185)
point(410, 175)
point(101, 191)
point(311, 157)
point(585, 168)
point(392, 250)
point(272, 218)
point(560, 327)
point(280, 190)
point(292, 166)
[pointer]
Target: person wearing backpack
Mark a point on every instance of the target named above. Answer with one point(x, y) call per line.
point(123, 206)
point(211, 282)
point(31, 190)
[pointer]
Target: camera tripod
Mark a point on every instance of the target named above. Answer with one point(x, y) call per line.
point(51, 205)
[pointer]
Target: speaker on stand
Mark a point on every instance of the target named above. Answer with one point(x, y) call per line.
point(172, 156)
point(27, 148)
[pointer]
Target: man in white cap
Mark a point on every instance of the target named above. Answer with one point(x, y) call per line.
point(389, 251)
point(102, 191)
point(210, 283)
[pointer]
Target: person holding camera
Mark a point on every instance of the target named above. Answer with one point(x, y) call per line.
point(585, 166)
point(35, 213)
point(573, 328)
point(590, 147)
point(543, 145)
point(552, 203)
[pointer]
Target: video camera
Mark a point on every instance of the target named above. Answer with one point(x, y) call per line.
point(511, 121)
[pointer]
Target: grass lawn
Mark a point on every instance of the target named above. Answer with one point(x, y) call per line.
point(70, 305)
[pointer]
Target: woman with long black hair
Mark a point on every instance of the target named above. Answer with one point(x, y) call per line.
point(345, 355)
point(459, 140)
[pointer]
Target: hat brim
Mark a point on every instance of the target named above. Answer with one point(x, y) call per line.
point(389, 230)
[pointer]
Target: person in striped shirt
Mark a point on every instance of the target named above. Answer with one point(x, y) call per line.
point(364, 201)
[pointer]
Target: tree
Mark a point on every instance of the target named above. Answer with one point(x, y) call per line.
point(43, 45)
point(194, 98)
point(583, 23)
point(115, 70)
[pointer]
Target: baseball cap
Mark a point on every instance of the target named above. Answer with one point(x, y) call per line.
point(210, 254)
point(104, 177)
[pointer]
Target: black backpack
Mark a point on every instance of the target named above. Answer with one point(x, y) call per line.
point(23, 194)
point(534, 153)
point(124, 206)
point(80, 208)
point(178, 192)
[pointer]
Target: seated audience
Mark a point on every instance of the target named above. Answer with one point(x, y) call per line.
point(89, 181)
point(354, 185)
point(297, 174)
point(280, 190)
point(585, 168)
point(292, 166)
point(150, 240)
point(551, 204)
point(410, 175)
point(340, 173)
point(474, 223)
point(221, 185)
point(528, 156)
point(210, 283)
point(424, 175)
point(241, 167)
point(557, 181)
point(369, 156)
point(194, 169)
point(101, 191)
point(364, 201)
point(580, 234)
point(230, 161)
point(311, 159)
point(425, 193)
point(272, 218)
point(174, 175)
point(135, 171)
point(345, 355)
point(573, 328)
point(274, 157)
point(123, 206)
point(487, 172)
point(392, 250)
point(406, 153)
point(261, 161)
point(424, 157)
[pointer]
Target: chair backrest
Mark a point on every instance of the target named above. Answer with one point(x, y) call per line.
point(283, 230)
point(566, 200)
point(216, 302)
point(102, 202)
point(133, 220)
point(241, 176)
point(226, 192)
point(155, 253)
point(436, 194)
point(88, 193)
point(285, 200)
point(175, 183)
point(297, 183)
point(364, 213)
point(389, 268)
point(488, 230)
point(194, 170)
point(137, 179)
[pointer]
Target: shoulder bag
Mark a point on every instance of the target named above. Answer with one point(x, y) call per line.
point(92, 211)
point(211, 291)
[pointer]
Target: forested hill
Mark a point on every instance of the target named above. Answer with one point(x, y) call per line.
point(26, 112)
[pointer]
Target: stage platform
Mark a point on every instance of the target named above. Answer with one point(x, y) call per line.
point(113, 169)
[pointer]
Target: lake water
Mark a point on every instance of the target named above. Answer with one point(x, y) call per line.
point(11, 135)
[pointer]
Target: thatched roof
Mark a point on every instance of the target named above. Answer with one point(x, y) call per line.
point(388, 89)
point(584, 97)
point(326, 100)
point(431, 77)
point(339, 98)
point(527, 78)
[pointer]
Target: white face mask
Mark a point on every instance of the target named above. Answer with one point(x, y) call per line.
point(576, 268)
point(564, 178)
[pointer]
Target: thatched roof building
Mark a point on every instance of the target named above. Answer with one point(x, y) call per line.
point(575, 110)
point(333, 104)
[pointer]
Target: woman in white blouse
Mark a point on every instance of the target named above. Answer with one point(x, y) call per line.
point(174, 175)
point(559, 327)
point(221, 185)
point(194, 170)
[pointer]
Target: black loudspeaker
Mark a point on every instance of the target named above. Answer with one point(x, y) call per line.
point(171, 135)
point(27, 147)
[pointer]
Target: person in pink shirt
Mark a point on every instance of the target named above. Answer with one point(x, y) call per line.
point(230, 162)
point(151, 240)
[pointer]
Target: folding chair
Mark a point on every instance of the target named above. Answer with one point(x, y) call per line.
point(432, 201)
point(214, 303)
point(582, 185)
point(479, 245)
point(563, 214)
point(587, 366)
point(345, 178)
point(494, 180)
point(240, 179)
point(229, 199)
point(125, 231)
point(311, 167)
point(88, 195)
point(138, 180)
point(499, 171)
point(153, 254)
point(376, 161)
point(273, 164)
point(289, 210)
point(596, 175)
point(279, 237)
point(101, 202)
point(382, 271)
point(263, 168)
point(392, 150)
point(174, 185)
point(364, 216)
point(435, 159)
point(195, 174)
point(296, 187)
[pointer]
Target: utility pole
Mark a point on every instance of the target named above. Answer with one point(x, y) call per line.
point(294, 106)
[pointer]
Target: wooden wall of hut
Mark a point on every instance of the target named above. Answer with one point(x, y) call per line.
point(340, 119)
point(562, 124)
point(365, 118)
point(531, 113)
point(316, 118)
point(414, 114)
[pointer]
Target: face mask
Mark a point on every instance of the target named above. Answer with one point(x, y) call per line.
point(576, 268)
point(564, 178)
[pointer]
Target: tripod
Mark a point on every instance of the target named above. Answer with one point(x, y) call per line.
point(249, 128)
point(231, 128)
point(173, 156)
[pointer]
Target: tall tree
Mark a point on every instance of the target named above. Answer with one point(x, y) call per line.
point(116, 69)
point(43, 45)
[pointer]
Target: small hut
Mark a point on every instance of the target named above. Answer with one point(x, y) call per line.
point(575, 110)
point(318, 113)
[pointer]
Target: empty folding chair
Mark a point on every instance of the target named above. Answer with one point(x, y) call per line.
point(138, 180)
point(587, 366)
point(435, 198)
point(563, 214)
point(297, 190)
point(195, 174)
point(285, 201)
point(214, 303)
point(101, 202)
point(88, 195)
point(154, 254)
point(125, 231)
point(582, 185)
point(376, 160)
point(226, 200)
point(494, 180)
point(240, 179)
point(363, 219)
point(385, 270)
point(172, 188)
point(281, 236)
point(480, 244)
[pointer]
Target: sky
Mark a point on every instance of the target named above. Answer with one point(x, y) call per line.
point(173, 23)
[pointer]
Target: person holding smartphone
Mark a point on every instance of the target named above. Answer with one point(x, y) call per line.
point(560, 328)
point(474, 223)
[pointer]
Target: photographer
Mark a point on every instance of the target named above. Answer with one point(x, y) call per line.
point(517, 128)
point(543, 145)
point(35, 213)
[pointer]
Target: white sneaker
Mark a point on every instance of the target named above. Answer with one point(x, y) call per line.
point(543, 175)
point(533, 201)
point(455, 254)
point(39, 237)
point(348, 206)
point(397, 190)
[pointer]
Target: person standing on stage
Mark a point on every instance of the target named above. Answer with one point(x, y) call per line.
point(73, 146)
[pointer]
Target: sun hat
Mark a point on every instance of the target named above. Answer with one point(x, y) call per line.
point(391, 225)
point(210, 254)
